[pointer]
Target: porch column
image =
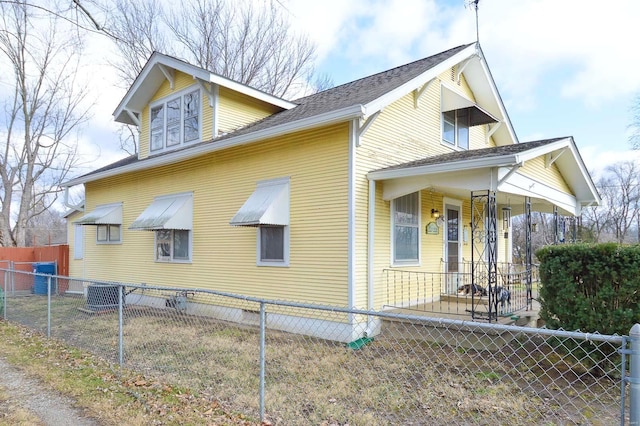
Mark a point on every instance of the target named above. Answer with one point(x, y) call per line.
point(484, 248)
point(555, 225)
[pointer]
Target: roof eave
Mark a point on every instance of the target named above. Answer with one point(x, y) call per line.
point(475, 163)
point(120, 114)
point(406, 88)
point(332, 117)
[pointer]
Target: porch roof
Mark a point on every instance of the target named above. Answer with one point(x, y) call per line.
point(496, 169)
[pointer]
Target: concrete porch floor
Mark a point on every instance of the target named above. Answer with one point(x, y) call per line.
point(459, 307)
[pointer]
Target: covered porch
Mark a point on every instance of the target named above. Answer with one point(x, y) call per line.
point(464, 265)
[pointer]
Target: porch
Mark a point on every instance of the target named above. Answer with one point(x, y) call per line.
point(458, 296)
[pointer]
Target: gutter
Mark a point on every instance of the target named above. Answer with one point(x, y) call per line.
point(499, 161)
point(344, 114)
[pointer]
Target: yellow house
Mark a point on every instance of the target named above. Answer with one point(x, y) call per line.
point(356, 196)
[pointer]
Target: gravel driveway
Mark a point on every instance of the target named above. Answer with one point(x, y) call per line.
point(31, 395)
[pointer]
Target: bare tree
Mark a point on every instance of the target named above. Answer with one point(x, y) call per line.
point(47, 228)
point(250, 42)
point(40, 116)
point(137, 29)
point(616, 217)
point(634, 138)
point(621, 189)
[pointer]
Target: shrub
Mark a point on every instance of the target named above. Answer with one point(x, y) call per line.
point(590, 287)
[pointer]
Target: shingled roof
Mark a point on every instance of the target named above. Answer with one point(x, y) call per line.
point(352, 94)
point(358, 92)
point(458, 156)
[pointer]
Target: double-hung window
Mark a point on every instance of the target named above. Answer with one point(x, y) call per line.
point(272, 245)
point(267, 209)
point(172, 245)
point(455, 128)
point(406, 229)
point(108, 234)
point(175, 121)
point(170, 217)
point(107, 218)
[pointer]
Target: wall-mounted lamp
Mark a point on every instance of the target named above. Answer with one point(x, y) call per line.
point(435, 213)
point(534, 227)
point(506, 218)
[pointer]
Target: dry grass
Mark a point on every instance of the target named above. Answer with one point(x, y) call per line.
point(11, 413)
point(111, 396)
point(408, 375)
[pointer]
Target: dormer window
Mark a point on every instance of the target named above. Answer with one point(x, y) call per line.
point(175, 121)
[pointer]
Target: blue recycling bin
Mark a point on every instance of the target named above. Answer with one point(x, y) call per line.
point(42, 269)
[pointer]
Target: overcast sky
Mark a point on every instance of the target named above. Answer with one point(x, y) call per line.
point(562, 67)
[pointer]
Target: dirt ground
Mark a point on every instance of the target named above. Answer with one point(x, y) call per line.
point(32, 396)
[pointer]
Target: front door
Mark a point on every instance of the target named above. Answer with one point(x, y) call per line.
point(452, 247)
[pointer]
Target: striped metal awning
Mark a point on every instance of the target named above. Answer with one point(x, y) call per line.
point(166, 212)
point(268, 205)
point(107, 214)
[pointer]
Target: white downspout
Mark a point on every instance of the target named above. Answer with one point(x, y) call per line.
point(351, 232)
point(66, 201)
point(370, 251)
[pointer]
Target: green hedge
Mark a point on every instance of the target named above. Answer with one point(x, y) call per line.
point(590, 287)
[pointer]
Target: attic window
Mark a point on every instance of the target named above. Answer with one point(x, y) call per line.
point(175, 121)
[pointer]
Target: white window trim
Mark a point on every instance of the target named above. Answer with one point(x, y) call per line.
point(453, 202)
point(171, 259)
point(163, 101)
point(278, 263)
point(456, 143)
point(109, 241)
point(78, 241)
point(394, 262)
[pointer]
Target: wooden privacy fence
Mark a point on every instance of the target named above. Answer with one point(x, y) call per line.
point(23, 258)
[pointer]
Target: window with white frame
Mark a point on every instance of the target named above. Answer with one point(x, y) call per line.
point(273, 245)
point(108, 234)
point(173, 245)
point(455, 128)
point(175, 121)
point(78, 241)
point(406, 229)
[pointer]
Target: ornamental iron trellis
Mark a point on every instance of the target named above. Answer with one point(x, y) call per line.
point(528, 252)
point(484, 253)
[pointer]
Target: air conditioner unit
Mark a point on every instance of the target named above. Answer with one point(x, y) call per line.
point(102, 297)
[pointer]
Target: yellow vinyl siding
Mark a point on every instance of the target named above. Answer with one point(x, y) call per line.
point(236, 110)
point(536, 169)
point(402, 133)
point(224, 257)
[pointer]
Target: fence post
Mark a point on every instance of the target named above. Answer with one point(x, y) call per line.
point(48, 306)
point(120, 327)
point(634, 377)
point(263, 326)
point(13, 277)
point(7, 276)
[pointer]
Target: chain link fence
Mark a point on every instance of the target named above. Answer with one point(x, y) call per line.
point(298, 364)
